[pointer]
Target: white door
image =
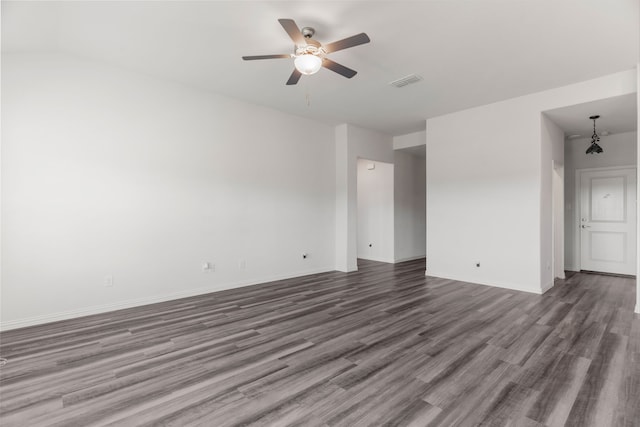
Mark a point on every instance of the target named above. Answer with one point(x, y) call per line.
point(608, 220)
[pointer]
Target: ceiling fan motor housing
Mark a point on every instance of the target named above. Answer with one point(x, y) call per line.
point(308, 32)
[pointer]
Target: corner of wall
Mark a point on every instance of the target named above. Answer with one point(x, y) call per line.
point(546, 287)
point(638, 189)
point(341, 197)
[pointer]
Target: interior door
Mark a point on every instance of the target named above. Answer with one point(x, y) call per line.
point(608, 220)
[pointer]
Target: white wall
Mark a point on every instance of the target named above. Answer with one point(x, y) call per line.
point(486, 198)
point(106, 172)
point(410, 206)
point(551, 154)
point(352, 143)
point(619, 150)
point(375, 211)
point(483, 206)
point(558, 221)
point(409, 140)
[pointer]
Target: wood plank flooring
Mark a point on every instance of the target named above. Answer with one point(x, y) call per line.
point(382, 346)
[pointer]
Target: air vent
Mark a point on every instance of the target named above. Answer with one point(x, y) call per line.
point(411, 78)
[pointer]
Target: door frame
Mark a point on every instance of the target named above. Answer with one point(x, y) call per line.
point(577, 249)
point(558, 263)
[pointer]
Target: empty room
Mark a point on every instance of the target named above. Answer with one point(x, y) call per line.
point(320, 213)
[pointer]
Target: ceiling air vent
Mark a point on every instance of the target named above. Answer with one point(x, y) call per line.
point(407, 80)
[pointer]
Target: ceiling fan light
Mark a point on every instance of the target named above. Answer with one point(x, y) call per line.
point(308, 64)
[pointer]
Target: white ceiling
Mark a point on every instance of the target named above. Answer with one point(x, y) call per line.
point(617, 114)
point(468, 52)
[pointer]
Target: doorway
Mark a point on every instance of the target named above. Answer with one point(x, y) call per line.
point(375, 237)
point(607, 219)
point(410, 194)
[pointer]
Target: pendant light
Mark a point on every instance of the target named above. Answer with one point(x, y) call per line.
point(594, 147)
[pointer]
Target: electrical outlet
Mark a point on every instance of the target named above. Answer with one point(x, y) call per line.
point(108, 281)
point(208, 267)
point(242, 264)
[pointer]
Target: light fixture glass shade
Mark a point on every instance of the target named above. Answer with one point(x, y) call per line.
point(308, 64)
point(594, 148)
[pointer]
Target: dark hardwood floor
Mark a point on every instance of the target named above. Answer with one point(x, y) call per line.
point(383, 346)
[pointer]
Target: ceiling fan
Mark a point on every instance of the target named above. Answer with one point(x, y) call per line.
point(309, 55)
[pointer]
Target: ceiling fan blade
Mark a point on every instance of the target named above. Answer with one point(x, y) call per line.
point(295, 76)
point(338, 68)
point(294, 32)
point(251, 58)
point(352, 41)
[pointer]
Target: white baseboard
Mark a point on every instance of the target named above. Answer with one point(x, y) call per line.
point(638, 308)
point(103, 308)
point(411, 258)
point(538, 291)
point(387, 260)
